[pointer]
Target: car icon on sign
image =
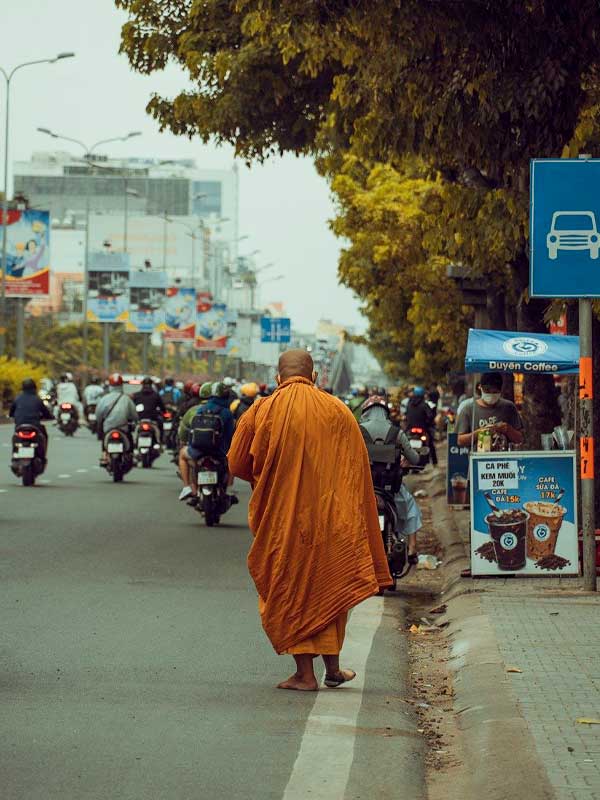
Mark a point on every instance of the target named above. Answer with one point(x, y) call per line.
point(573, 230)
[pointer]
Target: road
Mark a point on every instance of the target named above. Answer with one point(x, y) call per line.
point(133, 664)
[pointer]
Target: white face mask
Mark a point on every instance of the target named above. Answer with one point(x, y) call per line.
point(490, 399)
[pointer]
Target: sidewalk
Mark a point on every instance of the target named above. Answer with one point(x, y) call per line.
point(550, 630)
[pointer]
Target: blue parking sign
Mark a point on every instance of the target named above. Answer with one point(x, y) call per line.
point(565, 228)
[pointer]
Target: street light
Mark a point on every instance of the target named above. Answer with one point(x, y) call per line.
point(8, 76)
point(88, 151)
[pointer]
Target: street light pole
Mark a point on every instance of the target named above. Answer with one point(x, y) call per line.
point(88, 151)
point(8, 76)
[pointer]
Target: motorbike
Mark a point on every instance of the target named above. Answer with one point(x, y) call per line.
point(169, 435)
point(90, 417)
point(67, 419)
point(213, 500)
point(394, 543)
point(147, 442)
point(418, 439)
point(28, 453)
point(119, 446)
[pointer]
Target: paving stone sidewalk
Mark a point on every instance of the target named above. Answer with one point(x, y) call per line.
point(555, 641)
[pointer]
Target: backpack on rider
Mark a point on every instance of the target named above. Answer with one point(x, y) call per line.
point(206, 432)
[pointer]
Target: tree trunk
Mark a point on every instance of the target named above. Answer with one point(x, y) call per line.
point(541, 412)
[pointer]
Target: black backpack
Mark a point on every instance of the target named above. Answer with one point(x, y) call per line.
point(206, 431)
point(384, 457)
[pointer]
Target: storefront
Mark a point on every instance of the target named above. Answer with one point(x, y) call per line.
point(524, 503)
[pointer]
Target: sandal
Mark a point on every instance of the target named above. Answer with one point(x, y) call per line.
point(413, 559)
point(332, 681)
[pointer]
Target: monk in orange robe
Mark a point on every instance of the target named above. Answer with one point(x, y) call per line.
point(317, 549)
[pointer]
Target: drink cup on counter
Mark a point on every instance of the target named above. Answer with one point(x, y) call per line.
point(459, 489)
point(543, 527)
point(508, 531)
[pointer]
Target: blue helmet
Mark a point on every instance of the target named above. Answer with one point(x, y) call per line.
point(419, 391)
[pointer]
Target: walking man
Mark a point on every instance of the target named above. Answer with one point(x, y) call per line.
point(317, 549)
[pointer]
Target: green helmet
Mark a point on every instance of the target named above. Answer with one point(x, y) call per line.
point(206, 390)
point(219, 389)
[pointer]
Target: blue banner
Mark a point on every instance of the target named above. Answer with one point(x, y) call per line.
point(457, 476)
point(503, 351)
point(524, 514)
point(108, 287)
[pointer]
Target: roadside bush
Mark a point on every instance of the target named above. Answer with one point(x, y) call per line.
point(12, 374)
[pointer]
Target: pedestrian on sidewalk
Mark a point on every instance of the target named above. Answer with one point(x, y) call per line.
point(317, 549)
point(492, 412)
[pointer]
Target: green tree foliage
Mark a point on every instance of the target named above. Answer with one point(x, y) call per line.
point(12, 375)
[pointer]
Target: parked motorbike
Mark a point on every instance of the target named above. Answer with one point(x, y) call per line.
point(90, 417)
point(213, 500)
point(67, 419)
point(394, 543)
point(28, 453)
point(147, 442)
point(119, 446)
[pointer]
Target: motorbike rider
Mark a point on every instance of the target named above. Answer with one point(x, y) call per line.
point(217, 403)
point(249, 393)
point(66, 392)
point(92, 392)
point(152, 402)
point(192, 399)
point(171, 395)
point(114, 410)
point(377, 428)
point(419, 414)
point(28, 409)
point(357, 400)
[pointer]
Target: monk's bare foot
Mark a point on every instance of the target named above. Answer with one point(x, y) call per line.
point(299, 685)
point(335, 679)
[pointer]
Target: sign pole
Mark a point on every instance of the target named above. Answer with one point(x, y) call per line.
point(586, 444)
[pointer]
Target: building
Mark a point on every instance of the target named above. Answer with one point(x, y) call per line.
point(62, 182)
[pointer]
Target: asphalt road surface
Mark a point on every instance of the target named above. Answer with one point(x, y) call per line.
point(133, 663)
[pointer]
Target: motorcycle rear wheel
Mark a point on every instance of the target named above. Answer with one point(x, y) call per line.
point(117, 473)
point(28, 476)
point(147, 460)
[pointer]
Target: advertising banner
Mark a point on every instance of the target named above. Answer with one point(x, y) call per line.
point(524, 514)
point(147, 299)
point(180, 315)
point(108, 287)
point(28, 253)
point(457, 482)
point(212, 323)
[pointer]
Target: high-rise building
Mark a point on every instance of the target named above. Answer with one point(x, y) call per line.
point(61, 182)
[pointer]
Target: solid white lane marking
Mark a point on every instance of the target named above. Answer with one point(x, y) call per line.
point(64, 475)
point(323, 765)
point(3, 491)
point(82, 470)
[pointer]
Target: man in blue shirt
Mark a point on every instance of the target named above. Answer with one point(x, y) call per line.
point(28, 409)
point(217, 404)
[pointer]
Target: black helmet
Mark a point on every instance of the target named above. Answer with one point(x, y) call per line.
point(169, 381)
point(29, 385)
point(147, 381)
point(64, 377)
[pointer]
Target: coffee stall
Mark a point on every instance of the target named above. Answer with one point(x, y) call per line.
point(524, 503)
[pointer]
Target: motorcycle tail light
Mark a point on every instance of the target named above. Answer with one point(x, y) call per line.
point(208, 463)
point(417, 430)
point(115, 435)
point(167, 415)
point(26, 434)
point(66, 405)
point(146, 426)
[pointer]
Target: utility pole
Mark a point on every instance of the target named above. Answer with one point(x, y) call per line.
point(586, 415)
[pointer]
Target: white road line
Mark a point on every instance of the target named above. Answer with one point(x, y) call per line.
point(3, 491)
point(82, 470)
point(4, 444)
point(43, 480)
point(64, 476)
point(323, 765)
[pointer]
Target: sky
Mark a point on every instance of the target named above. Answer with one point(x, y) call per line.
point(284, 204)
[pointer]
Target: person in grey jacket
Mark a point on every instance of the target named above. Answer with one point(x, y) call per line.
point(375, 420)
point(114, 410)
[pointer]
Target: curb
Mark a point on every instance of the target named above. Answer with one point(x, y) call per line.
point(501, 756)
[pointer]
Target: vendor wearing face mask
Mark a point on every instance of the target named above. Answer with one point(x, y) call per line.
point(491, 411)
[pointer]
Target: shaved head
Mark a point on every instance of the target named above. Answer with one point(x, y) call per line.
point(296, 363)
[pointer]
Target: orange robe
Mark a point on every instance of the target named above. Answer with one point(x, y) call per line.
point(317, 549)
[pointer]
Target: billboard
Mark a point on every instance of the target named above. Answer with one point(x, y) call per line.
point(180, 315)
point(28, 253)
point(108, 287)
point(213, 323)
point(147, 299)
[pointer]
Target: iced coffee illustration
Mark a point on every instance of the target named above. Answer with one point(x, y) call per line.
point(508, 531)
point(459, 489)
point(543, 527)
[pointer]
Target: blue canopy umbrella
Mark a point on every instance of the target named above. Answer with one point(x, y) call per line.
point(525, 353)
